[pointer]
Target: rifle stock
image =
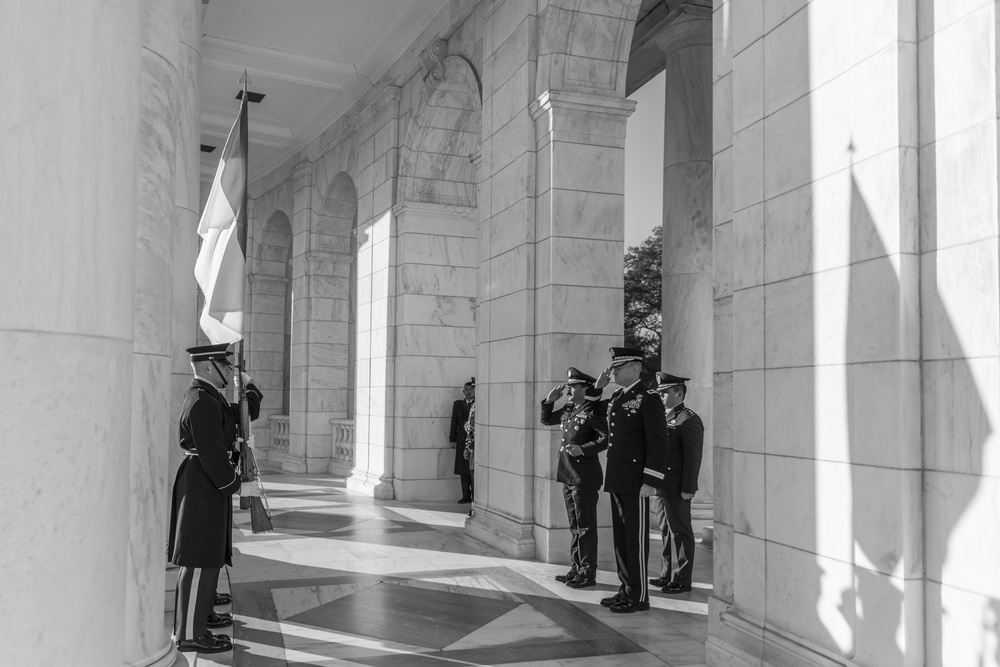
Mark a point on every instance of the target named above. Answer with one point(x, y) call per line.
point(260, 513)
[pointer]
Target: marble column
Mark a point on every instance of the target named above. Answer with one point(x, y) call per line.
point(574, 302)
point(437, 262)
point(152, 425)
point(68, 165)
point(687, 220)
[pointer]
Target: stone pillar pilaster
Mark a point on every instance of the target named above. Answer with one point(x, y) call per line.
point(68, 165)
point(688, 278)
point(574, 292)
point(302, 448)
point(437, 263)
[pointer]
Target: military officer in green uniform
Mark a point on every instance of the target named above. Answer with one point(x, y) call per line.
point(584, 427)
point(672, 503)
point(637, 434)
point(200, 540)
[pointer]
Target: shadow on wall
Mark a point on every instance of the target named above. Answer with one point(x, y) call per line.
point(956, 425)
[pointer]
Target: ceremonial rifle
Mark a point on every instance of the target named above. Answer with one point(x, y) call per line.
point(260, 513)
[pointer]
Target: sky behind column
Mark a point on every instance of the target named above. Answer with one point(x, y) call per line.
point(644, 162)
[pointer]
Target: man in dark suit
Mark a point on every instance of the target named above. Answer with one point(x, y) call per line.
point(672, 502)
point(584, 435)
point(460, 415)
point(201, 515)
point(637, 433)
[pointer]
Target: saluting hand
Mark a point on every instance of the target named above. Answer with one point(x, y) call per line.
point(556, 392)
point(603, 379)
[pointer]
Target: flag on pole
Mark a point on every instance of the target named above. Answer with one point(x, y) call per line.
point(221, 266)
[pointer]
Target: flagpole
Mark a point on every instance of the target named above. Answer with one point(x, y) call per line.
point(260, 514)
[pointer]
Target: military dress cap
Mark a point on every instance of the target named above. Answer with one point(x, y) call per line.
point(218, 352)
point(622, 355)
point(665, 381)
point(576, 376)
point(471, 383)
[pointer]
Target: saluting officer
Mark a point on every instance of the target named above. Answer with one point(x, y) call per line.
point(584, 435)
point(202, 513)
point(637, 433)
point(672, 502)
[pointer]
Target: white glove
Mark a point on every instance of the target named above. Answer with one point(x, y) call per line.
point(246, 378)
point(250, 441)
point(250, 488)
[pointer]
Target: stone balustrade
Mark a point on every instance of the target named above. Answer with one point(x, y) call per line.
point(279, 432)
point(343, 440)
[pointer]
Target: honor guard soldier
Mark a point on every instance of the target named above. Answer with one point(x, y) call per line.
point(584, 435)
point(637, 433)
point(672, 502)
point(202, 513)
point(459, 416)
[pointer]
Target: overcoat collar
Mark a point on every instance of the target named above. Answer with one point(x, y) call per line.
point(207, 386)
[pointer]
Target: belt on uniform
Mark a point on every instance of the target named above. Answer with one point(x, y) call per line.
point(188, 452)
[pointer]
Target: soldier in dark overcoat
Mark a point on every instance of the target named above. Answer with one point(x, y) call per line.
point(201, 515)
point(672, 503)
point(459, 416)
point(637, 433)
point(584, 425)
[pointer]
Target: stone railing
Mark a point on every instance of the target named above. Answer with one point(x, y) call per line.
point(343, 440)
point(279, 432)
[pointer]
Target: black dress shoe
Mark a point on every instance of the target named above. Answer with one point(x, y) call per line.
point(676, 589)
point(612, 601)
point(216, 620)
point(464, 500)
point(659, 582)
point(222, 598)
point(206, 643)
point(628, 606)
point(581, 582)
point(563, 578)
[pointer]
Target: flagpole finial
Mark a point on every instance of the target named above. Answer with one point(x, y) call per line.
point(245, 80)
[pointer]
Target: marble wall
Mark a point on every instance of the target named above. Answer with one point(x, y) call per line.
point(958, 266)
point(856, 385)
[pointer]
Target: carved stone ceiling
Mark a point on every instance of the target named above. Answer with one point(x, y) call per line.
point(311, 59)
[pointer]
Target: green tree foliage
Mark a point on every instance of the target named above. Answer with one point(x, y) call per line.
point(644, 299)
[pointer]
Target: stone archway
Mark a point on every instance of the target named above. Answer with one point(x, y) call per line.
point(269, 332)
point(436, 239)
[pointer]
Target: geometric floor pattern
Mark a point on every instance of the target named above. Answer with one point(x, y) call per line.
point(348, 580)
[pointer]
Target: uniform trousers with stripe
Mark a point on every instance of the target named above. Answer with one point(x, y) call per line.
point(629, 522)
point(194, 600)
point(581, 509)
point(673, 513)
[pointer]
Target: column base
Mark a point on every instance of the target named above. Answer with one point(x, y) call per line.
point(340, 468)
point(303, 464)
point(511, 537)
point(735, 640)
point(375, 486)
point(165, 657)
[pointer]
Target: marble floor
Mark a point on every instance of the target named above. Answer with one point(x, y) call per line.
point(345, 579)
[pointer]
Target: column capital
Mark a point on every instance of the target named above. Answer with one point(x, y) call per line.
point(688, 25)
point(581, 118)
point(302, 174)
point(266, 278)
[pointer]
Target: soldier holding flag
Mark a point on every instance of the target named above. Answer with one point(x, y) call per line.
point(201, 513)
